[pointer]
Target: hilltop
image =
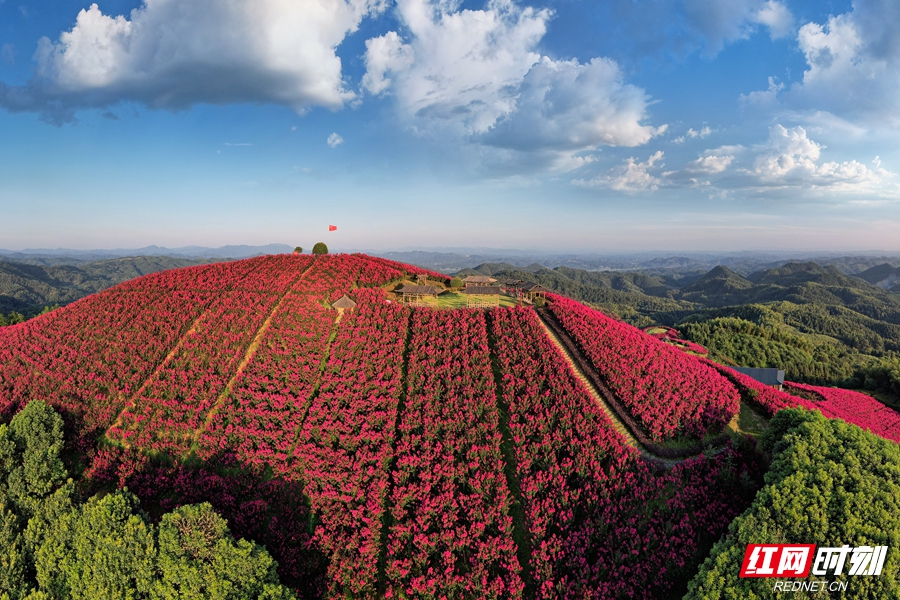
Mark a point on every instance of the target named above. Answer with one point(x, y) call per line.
point(385, 449)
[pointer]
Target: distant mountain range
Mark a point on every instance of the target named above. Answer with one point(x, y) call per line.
point(679, 267)
point(885, 276)
point(55, 256)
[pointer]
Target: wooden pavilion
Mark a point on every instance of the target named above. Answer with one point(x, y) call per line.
point(416, 294)
point(482, 296)
point(478, 280)
point(343, 303)
point(533, 290)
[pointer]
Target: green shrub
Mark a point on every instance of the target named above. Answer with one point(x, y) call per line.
point(829, 484)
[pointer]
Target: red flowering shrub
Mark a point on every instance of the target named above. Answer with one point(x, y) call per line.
point(667, 391)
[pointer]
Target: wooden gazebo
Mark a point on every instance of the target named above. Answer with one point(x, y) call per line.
point(482, 296)
point(416, 294)
point(533, 290)
point(343, 303)
point(478, 280)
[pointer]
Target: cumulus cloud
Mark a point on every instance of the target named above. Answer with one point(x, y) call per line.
point(709, 164)
point(790, 158)
point(631, 176)
point(384, 54)
point(334, 140)
point(477, 75)
point(763, 98)
point(722, 21)
point(460, 68)
point(568, 106)
point(705, 131)
point(173, 54)
point(853, 66)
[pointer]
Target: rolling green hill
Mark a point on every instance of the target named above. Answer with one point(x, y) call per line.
point(28, 288)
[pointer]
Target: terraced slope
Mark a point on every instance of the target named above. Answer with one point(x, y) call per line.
point(393, 451)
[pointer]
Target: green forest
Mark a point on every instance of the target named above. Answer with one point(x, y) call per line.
point(56, 544)
point(829, 484)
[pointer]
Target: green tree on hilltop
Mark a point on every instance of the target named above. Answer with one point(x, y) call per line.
point(320, 248)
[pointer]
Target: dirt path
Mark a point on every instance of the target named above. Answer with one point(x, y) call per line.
point(601, 402)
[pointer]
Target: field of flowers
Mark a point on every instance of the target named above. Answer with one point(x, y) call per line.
point(451, 531)
point(346, 442)
point(853, 407)
point(758, 395)
point(585, 494)
point(667, 391)
point(390, 451)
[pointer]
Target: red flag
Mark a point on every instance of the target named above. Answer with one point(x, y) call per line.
point(332, 228)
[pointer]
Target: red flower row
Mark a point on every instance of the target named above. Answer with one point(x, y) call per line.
point(854, 407)
point(668, 391)
point(450, 505)
point(345, 446)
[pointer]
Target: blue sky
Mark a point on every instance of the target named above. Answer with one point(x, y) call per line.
point(666, 125)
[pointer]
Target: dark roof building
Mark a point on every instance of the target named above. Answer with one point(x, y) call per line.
point(482, 296)
point(772, 377)
point(410, 289)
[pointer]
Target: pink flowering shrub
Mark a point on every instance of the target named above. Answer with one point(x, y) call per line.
point(345, 445)
point(450, 505)
point(853, 407)
point(667, 391)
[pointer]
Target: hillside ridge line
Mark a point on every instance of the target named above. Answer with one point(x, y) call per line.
point(600, 399)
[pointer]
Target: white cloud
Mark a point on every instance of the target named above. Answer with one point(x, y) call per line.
point(384, 54)
point(567, 106)
point(853, 66)
point(704, 132)
point(476, 75)
point(631, 176)
point(460, 68)
point(764, 98)
point(722, 21)
point(790, 158)
point(709, 164)
point(334, 140)
point(173, 54)
point(776, 17)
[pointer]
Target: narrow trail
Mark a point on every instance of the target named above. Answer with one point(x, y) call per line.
point(314, 392)
point(132, 401)
point(248, 356)
point(601, 401)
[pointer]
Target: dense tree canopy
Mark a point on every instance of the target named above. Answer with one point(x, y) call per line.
point(54, 546)
point(829, 484)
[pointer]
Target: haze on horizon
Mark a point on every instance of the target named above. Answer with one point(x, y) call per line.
point(545, 125)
